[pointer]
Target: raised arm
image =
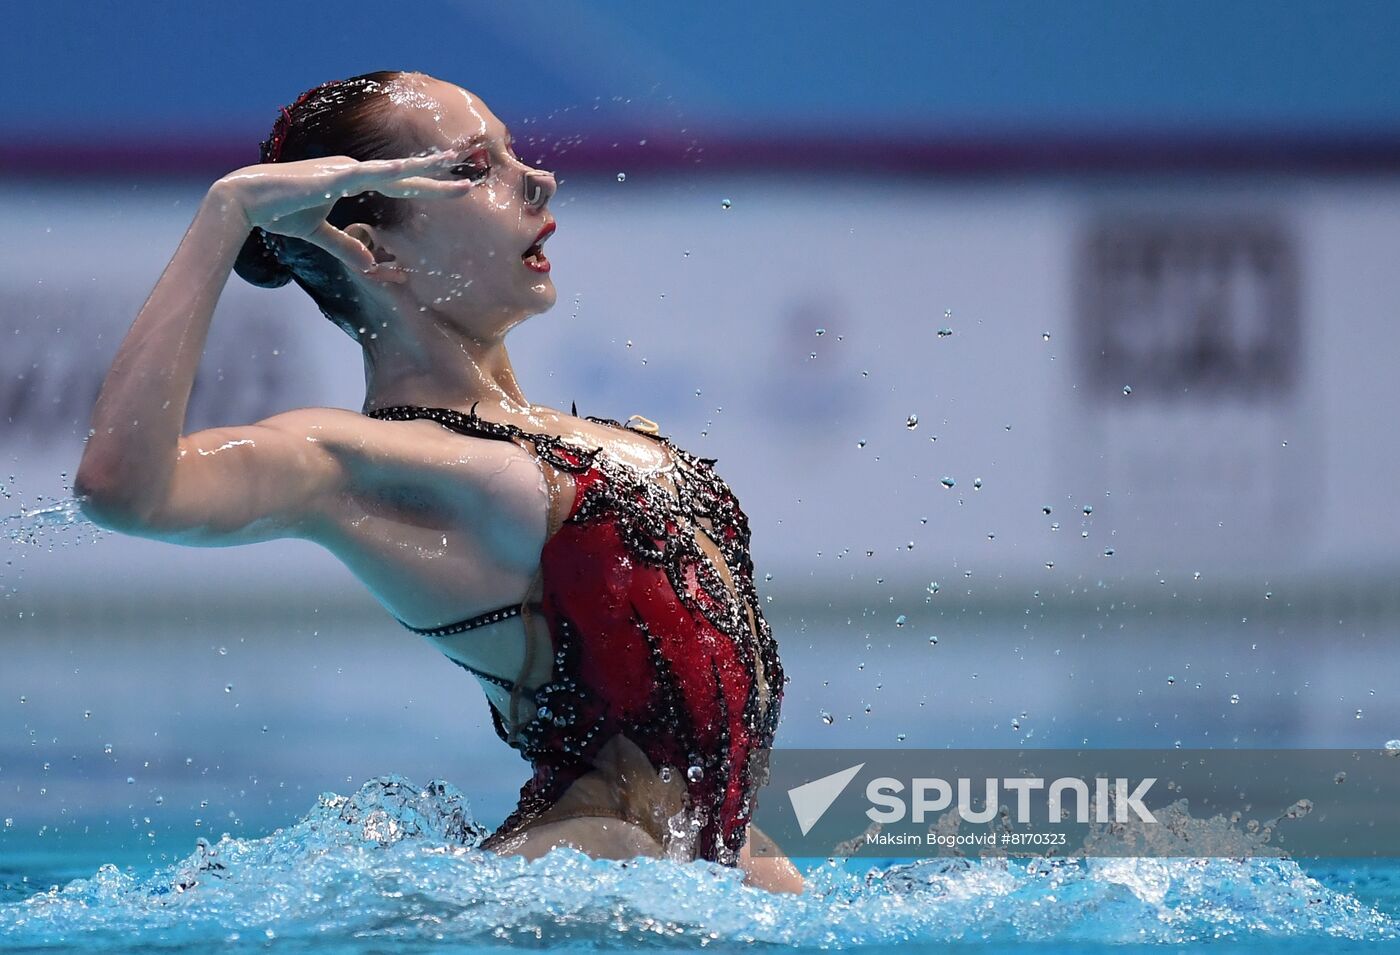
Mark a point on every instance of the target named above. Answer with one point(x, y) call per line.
point(227, 485)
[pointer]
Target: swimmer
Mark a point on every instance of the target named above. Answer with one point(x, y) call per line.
point(591, 575)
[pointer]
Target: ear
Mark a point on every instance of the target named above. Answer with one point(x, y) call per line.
point(386, 266)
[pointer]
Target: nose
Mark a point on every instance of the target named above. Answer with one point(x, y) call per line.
point(539, 187)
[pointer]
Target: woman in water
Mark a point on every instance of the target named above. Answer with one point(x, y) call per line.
point(594, 577)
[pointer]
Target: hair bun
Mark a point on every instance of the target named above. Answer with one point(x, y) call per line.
point(257, 261)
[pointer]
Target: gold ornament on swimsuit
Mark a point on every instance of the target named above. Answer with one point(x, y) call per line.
point(645, 425)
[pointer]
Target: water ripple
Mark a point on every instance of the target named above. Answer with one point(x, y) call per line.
point(398, 865)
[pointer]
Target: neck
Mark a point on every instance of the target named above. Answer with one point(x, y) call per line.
point(433, 365)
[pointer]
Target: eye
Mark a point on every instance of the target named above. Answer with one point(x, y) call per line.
point(476, 169)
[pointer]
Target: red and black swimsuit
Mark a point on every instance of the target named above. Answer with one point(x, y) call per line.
point(648, 639)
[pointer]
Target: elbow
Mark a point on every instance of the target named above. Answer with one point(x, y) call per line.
point(105, 502)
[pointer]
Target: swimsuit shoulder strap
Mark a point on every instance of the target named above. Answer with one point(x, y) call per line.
point(549, 447)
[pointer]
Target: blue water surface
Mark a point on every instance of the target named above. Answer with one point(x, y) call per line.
point(394, 867)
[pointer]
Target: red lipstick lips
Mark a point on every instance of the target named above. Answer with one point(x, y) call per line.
point(533, 257)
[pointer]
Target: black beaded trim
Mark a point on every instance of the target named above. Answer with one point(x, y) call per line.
point(471, 623)
point(500, 681)
point(552, 448)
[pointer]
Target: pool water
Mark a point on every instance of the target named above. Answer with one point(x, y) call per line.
point(393, 866)
point(135, 728)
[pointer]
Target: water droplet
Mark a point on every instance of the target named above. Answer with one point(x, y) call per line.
point(223, 651)
point(945, 332)
point(1268, 595)
point(821, 332)
point(228, 687)
point(1171, 681)
point(131, 781)
point(947, 481)
point(1088, 509)
point(666, 774)
point(622, 177)
point(932, 587)
point(860, 443)
point(1234, 697)
point(1045, 336)
point(933, 641)
point(977, 484)
point(827, 718)
point(695, 773)
point(725, 204)
point(1391, 747)
point(912, 422)
point(1358, 714)
point(1127, 389)
point(1108, 551)
point(900, 620)
point(1339, 778)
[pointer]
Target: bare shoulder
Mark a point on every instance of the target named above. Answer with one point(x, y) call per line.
point(325, 424)
point(354, 437)
point(392, 461)
point(422, 510)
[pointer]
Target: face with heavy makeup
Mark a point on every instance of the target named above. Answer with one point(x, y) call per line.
point(473, 260)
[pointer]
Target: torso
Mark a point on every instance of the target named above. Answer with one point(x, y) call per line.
point(634, 555)
point(442, 526)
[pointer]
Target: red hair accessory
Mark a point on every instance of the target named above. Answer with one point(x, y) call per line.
point(272, 149)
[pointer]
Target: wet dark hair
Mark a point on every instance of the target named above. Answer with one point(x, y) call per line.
point(350, 117)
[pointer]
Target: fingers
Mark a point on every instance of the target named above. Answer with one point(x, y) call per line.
point(421, 187)
point(375, 174)
point(348, 250)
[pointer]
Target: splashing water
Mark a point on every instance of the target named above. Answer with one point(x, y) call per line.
point(32, 524)
point(395, 865)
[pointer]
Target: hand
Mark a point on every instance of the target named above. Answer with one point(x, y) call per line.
point(294, 198)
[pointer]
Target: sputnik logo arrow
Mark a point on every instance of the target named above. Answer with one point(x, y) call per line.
point(810, 801)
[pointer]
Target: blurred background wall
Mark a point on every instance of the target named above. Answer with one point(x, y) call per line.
point(1064, 334)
